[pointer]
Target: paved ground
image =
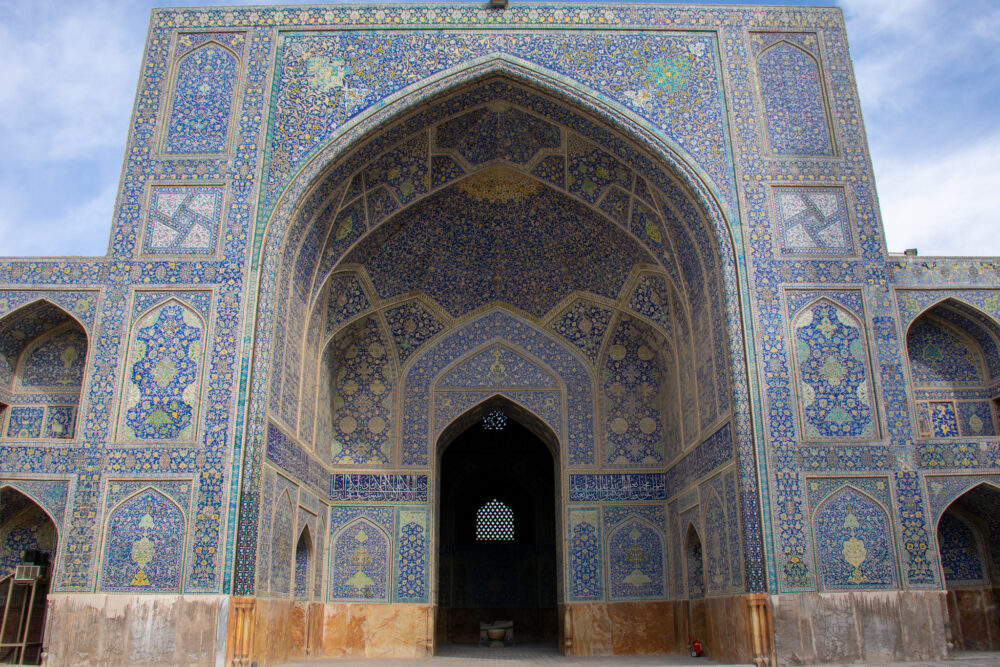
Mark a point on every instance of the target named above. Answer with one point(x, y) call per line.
point(534, 654)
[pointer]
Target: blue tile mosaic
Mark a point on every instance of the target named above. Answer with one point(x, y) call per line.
point(144, 545)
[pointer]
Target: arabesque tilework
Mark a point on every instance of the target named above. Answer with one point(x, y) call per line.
point(341, 229)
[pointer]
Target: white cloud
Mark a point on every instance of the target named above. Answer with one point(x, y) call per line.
point(945, 204)
point(68, 78)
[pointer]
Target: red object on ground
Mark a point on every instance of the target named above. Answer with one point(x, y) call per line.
point(696, 650)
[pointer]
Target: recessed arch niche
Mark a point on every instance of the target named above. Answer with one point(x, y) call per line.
point(498, 510)
point(372, 243)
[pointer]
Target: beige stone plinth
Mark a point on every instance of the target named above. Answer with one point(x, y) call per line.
point(726, 626)
point(862, 627)
point(125, 629)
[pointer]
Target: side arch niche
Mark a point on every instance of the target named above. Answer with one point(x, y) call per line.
point(954, 356)
point(303, 564)
point(854, 542)
point(201, 105)
point(356, 396)
point(28, 536)
point(499, 524)
point(43, 357)
point(694, 564)
point(359, 563)
point(793, 94)
point(968, 538)
point(144, 545)
point(282, 535)
point(636, 563)
point(833, 374)
point(161, 399)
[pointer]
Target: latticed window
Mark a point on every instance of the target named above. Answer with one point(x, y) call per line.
point(494, 522)
point(495, 421)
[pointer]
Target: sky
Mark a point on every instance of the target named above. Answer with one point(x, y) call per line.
point(928, 72)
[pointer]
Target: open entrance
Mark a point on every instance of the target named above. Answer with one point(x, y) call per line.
point(27, 547)
point(497, 559)
point(969, 542)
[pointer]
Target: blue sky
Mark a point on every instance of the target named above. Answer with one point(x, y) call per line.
point(928, 72)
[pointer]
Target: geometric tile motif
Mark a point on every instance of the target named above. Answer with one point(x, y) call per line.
point(144, 546)
point(651, 298)
point(813, 221)
point(833, 374)
point(585, 554)
point(347, 299)
point(583, 324)
point(412, 557)
point(497, 366)
point(853, 542)
point(360, 363)
point(162, 394)
point(477, 241)
point(56, 362)
point(411, 325)
point(944, 423)
point(360, 563)
point(281, 546)
point(635, 562)
point(25, 422)
point(716, 545)
point(202, 100)
point(975, 418)
point(497, 132)
point(183, 219)
point(961, 555)
point(941, 357)
point(634, 376)
point(794, 102)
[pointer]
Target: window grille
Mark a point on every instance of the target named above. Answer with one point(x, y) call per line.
point(494, 523)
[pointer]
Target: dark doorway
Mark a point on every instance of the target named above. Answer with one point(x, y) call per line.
point(497, 530)
point(968, 536)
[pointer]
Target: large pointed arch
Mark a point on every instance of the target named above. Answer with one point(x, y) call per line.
point(322, 191)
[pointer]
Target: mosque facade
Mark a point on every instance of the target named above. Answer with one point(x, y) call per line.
point(575, 317)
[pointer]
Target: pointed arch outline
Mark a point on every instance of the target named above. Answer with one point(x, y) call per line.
point(821, 82)
point(609, 534)
point(106, 535)
point(55, 565)
point(892, 548)
point(128, 362)
point(858, 321)
point(283, 500)
point(14, 484)
point(417, 384)
point(724, 557)
point(171, 96)
point(305, 591)
point(12, 316)
point(389, 563)
point(684, 174)
point(954, 495)
point(690, 557)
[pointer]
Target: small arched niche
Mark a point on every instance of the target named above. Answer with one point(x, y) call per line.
point(43, 355)
point(498, 524)
point(968, 537)
point(954, 356)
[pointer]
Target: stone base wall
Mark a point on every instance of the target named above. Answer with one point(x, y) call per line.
point(974, 621)
point(723, 625)
point(117, 629)
point(860, 627)
point(272, 632)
